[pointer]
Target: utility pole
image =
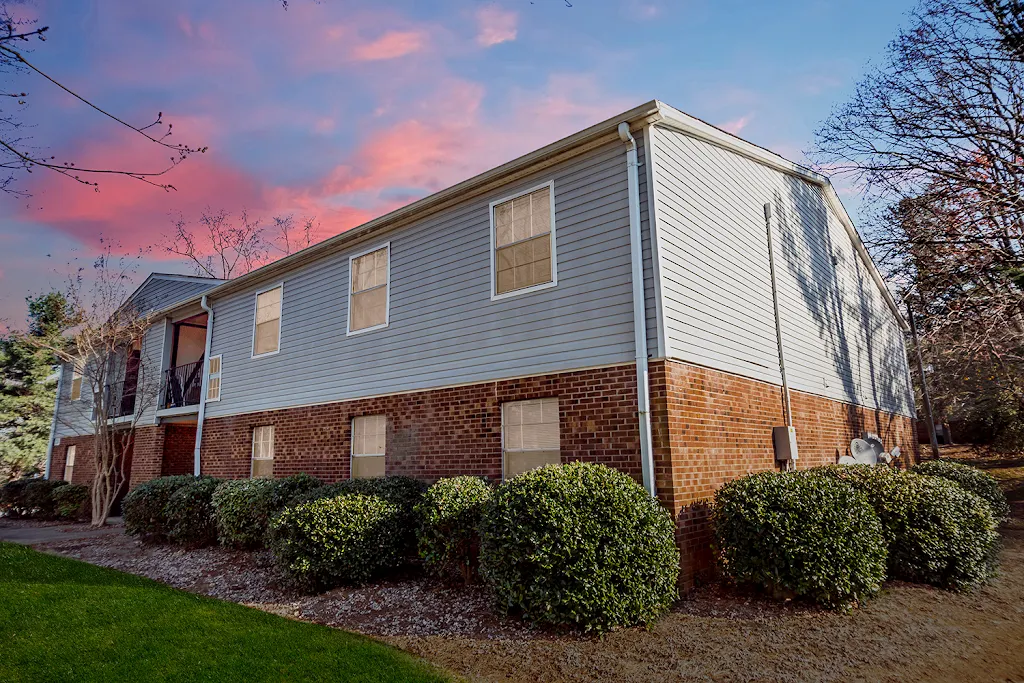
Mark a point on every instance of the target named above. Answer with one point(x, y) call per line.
point(924, 383)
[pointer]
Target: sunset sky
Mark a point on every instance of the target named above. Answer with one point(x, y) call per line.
point(346, 110)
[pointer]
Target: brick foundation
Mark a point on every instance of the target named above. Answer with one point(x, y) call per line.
point(85, 464)
point(711, 427)
point(179, 449)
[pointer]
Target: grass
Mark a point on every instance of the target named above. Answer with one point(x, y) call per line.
point(64, 620)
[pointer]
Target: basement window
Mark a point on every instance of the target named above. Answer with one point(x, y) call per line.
point(529, 435)
point(263, 451)
point(69, 463)
point(369, 434)
point(368, 299)
point(523, 243)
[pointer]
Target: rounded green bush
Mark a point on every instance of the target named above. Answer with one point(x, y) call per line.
point(579, 544)
point(12, 497)
point(286, 488)
point(330, 541)
point(936, 532)
point(38, 497)
point(242, 511)
point(449, 531)
point(143, 507)
point(981, 484)
point(816, 538)
point(189, 513)
point(72, 501)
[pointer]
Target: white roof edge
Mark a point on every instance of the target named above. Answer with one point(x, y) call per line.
point(684, 123)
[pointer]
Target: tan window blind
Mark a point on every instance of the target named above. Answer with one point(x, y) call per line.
point(268, 322)
point(530, 435)
point(263, 451)
point(76, 382)
point(368, 302)
point(369, 436)
point(213, 383)
point(522, 239)
point(69, 463)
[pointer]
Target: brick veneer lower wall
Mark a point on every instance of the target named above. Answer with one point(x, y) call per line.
point(85, 465)
point(439, 433)
point(710, 427)
point(179, 449)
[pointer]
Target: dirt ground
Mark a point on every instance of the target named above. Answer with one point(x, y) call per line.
point(908, 632)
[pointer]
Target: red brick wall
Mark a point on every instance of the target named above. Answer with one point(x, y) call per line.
point(147, 462)
point(711, 427)
point(85, 466)
point(439, 433)
point(179, 449)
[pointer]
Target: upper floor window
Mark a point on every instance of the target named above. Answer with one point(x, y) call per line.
point(370, 275)
point(523, 242)
point(76, 381)
point(267, 328)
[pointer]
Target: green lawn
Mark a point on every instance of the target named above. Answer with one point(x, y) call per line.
point(63, 620)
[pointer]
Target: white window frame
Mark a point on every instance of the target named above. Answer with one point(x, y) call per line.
point(76, 374)
point(70, 454)
point(387, 292)
point(501, 407)
point(494, 247)
point(352, 450)
point(280, 320)
point(218, 375)
point(273, 448)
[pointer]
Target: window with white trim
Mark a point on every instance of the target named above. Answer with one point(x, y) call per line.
point(523, 241)
point(69, 462)
point(529, 435)
point(369, 436)
point(263, 451)
point(213, 380)
point(76, 381)
point(267, 328)
point(368, 293)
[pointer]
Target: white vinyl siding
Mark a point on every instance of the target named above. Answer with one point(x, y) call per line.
point(267, 325)
point(523, 242)
point(213, 381)
point(69, 463)
point(840, 338)
point(369, 275)
point(263, 451)
point(369, 441)
point(529, 435)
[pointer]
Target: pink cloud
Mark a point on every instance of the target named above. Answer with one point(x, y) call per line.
point(736, 126)
point(495, 25)
point(391, 45)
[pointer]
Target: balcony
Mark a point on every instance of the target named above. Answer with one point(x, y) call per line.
point(120, 396)
point(183, 385)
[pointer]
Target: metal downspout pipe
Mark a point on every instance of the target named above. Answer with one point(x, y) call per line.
point(639, 311)
point(206, 381)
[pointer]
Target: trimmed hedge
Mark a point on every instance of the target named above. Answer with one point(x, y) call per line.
point(244, 508)
point(72, 501)
point(936, 532)
point(330, 541)
point(579, 544)
point(449, 531)
point(189, 513)
point(143, 507)
point(12, 497)
point(981, 484)
point(816, 538)
point(38, 497)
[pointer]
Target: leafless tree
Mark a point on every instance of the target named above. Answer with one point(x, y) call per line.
point(223, 247)
point(933, 135)
point(106, 328)
point(19, 154)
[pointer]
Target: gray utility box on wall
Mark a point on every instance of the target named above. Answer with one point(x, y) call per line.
point(784, 439)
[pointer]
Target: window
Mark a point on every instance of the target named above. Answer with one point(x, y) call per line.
point(523, 240)
point(530, 435)
point(213, 382)
point(267, 329)
point(263, 451)
point(369, 434)
point(69, 462)
point(368, 293)
point(76, 382)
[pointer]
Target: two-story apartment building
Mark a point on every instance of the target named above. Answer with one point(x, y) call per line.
point(626, 295)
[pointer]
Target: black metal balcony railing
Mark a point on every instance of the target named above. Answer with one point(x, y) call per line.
point(183, 385)
point(120, 398)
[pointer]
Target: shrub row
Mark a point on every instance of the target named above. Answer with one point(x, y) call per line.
point(44, 499)
point(833, 534)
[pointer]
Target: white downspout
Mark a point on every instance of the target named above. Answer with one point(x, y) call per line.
point(639, 311)
point(206, 381)
point(53, 424)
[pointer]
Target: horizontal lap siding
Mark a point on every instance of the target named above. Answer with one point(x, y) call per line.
point(444, 329)
point(841, 339)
